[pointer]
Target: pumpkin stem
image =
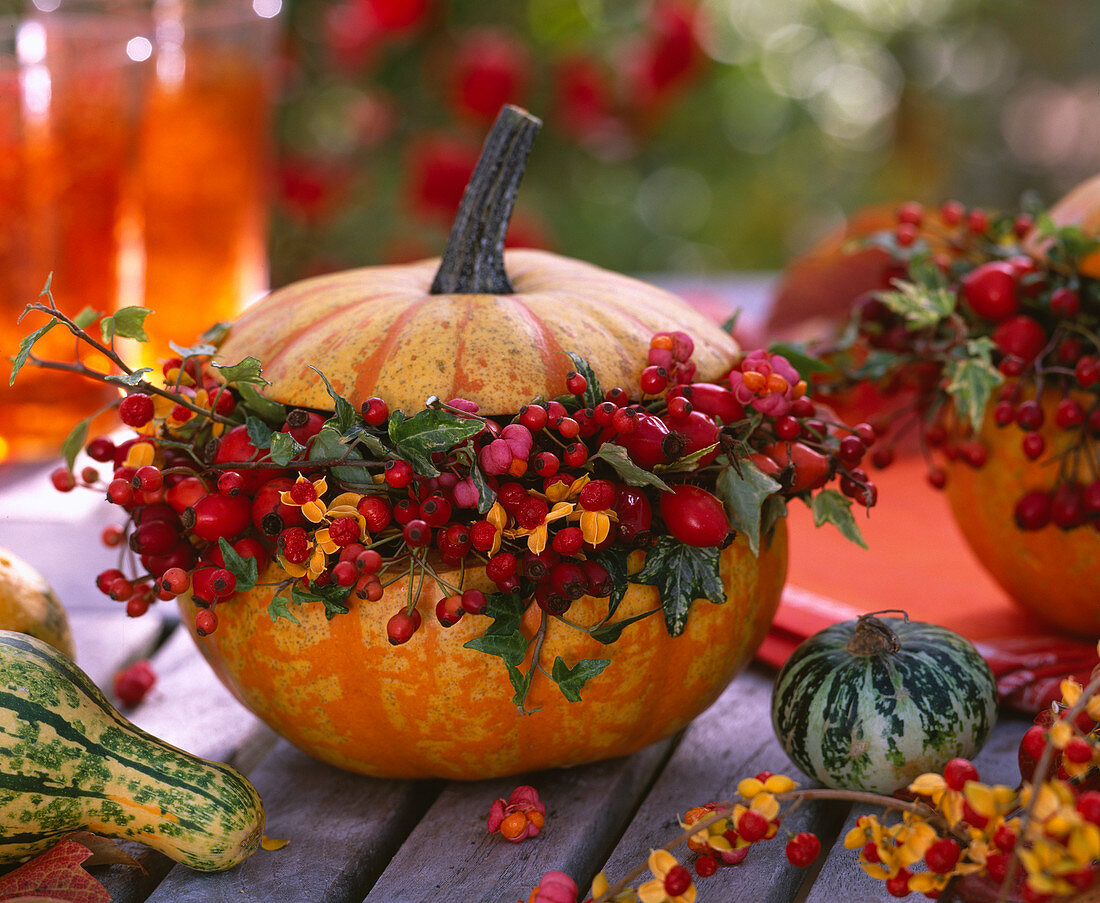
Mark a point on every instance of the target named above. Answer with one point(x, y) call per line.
point(873, 637)
point(473, 261)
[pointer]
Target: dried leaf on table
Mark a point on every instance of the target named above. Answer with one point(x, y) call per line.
point(273, 843)
point(104, 850)
point(56, 876)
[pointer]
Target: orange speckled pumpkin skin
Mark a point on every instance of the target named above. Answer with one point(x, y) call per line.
point(377, 331)
point(430, 708)
point(1052, 572)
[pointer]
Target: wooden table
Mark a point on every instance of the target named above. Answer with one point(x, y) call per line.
point(353, 838)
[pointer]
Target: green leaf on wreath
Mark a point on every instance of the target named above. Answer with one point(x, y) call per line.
point(343, 414)
point(830, 507)
point(429, 432)
point(971, 380)
point(920, 306)
point(86, 317)
point(203, 349)
point(592, 394)
point(332, 597)
point(609, 632)
point(280, 608)
point(682, 574)
point(327, 445)
point(74, 442)
point(285, 448)
point(215, 335)
point(798, 358)
point(129, 379)
point(259, 433)
point(744, 496)
point(272, 412)
point(359, 433)
point(127, 323)
point(25, 347)
point(521, 683)
point(246, 570)
point(628, 471)
point(246, 371)
point(614, 561)
point(572, 680)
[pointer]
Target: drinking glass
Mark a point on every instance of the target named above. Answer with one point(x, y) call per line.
point(67, 102)
point(203, 168)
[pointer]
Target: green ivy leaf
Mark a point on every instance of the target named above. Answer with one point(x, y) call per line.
point(285, 448)
point(744, 496)
point(610, 632)
point(246, 371)
point(920, 306)
point(359, 433)
point(127, 323)
point(572, 680)
point(246, 570)
point(829, 506)
point(332, 597)
point(971, 380)
point(74, 442)
point(628, 471)
point(343, 415)
point(272, 412)
point(521, 683)
point(686, 462)
point(429, 432)
point(280, 608)
point(796, 355)
point(216, 334)
point(129, 379)
point(25, 347)
point(503, 637)
point(682, 574)
point(614, 561)
point(593, 394)
point(327, 444)
point(203, 349)
point(86, 317)
point(512, 647)
point(259, 433)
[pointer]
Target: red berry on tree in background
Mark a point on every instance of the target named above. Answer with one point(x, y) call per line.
point(438, 167)
point(1020, 336)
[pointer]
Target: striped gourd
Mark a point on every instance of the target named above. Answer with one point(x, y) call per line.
point(69, 761)
point(870, 704)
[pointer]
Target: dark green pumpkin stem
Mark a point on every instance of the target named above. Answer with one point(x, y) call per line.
point(873, 637)
point(473, 261)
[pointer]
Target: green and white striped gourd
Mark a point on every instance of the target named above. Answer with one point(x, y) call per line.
point(69, 761)
point(872, 703)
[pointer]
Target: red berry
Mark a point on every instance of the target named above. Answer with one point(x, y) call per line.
point(898, 886)
point(694, 516)
point(1020, 336)
point(398, 473)
point(977, 221)
point(1069, 414)
point(533, 416)
point(1078, 751)
point(752, 826)
point(705, 866)
point(376, 512)
point(417, 534)
point(677, 880)
point(133, 683)
point(120, 492)
point(435, 510)
point(910, 212)
point(474, 602)
point(575, 382)
point(575, 455)
point(216, 516)
point(990, 290)
point(802, 849)
point(942, 855)
point(870, 852)
point(375, 411)
point(1033, 445)
point(136, 410)
point(229, 483)
point(937, 477)
point(654, 380)
point(1088, 804)
point(545, 464)
point(567, 427)
point(406, 510)
point(1034, 742)
point(63, 479)
point(449, 611)
point(401, 627)
point(501, 567)
point(958, 771)
point(1029, 415)
point(1065, 302)
point(101, 449)
point(206, 622)
point(568, 541)
point(787, 428)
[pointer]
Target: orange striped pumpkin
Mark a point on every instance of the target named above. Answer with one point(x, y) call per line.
point(430, 707)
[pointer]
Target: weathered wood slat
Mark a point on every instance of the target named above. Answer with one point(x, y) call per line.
point(342, 830)
point(730, 741)
point(587, 808)
point(842, 878)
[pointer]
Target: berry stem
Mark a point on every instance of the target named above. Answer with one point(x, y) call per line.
point(473, 260)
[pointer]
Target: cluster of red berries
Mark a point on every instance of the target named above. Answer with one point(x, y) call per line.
point(1031, 322)
point(534, 497)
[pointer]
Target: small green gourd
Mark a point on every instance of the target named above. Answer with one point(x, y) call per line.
point(69, 761)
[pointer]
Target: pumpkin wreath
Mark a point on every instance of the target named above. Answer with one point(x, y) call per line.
point(595, 459)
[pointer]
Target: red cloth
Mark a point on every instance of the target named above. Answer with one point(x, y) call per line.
point(918, 561)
